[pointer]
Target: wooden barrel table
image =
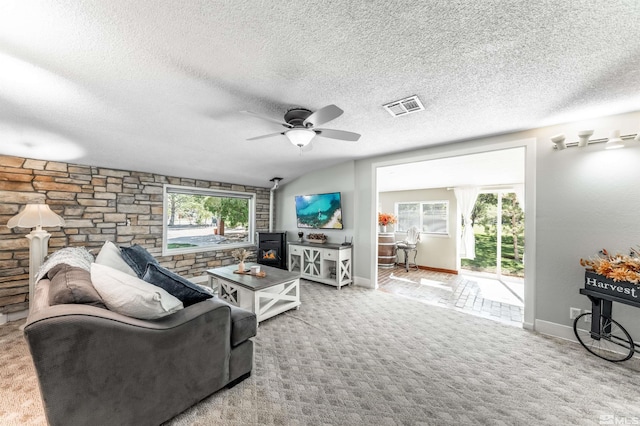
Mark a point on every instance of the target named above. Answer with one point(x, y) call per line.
point(386, 250)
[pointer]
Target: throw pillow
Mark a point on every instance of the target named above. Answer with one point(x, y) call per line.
point(131, 296)
point(74, 256)
point(206, 289)
point(188, 292)
point(110, 256)
point(70, 284)
point(137, 257)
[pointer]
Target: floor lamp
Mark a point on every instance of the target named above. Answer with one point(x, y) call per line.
point(36, 216)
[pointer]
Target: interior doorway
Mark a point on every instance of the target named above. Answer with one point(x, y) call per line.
point(500, 172)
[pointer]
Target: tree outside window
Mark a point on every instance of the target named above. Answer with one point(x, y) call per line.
point(230, 211)
point(197, 219)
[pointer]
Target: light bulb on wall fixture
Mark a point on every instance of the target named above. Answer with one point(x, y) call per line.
point(614, 141)
point(559, 141)
point(583, 137)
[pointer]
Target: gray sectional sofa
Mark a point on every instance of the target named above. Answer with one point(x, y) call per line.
point(99, 367)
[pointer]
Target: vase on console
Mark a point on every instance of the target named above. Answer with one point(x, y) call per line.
point(240, 255)
point(385, 219)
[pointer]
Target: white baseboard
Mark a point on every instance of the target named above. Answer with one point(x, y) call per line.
point(555, 330)
point(363, 282)
point(13, 316)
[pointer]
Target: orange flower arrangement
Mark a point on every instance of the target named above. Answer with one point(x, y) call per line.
point(385, 219)
point(618, 267)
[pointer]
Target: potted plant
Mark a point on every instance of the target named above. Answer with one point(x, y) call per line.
point(385, 219)
point(240, 255)
point(614, 274)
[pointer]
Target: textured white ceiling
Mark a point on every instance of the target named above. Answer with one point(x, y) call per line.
point(158, 86)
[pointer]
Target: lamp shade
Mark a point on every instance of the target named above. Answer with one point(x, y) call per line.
point(35, 216)
point(300, 137)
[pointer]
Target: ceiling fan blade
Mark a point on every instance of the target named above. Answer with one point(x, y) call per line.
point(265, 136)
point(267, 118)
point(323, 115)
point(337, 134)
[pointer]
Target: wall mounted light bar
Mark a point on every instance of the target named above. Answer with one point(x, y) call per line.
point(613, 142)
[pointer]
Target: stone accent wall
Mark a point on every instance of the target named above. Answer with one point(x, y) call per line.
point(97, 204)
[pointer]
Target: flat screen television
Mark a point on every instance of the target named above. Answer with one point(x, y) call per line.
point(319, 211)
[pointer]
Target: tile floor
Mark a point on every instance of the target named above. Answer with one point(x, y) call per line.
point(475, 294)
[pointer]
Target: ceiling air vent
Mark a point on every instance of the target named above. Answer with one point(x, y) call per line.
point(404, 106)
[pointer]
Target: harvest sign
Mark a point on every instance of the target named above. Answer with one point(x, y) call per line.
point(599, 283)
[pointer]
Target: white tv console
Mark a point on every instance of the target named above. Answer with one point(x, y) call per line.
point(323, 263)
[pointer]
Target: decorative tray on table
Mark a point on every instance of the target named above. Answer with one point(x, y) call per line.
point(260, 274)
point(317, 238)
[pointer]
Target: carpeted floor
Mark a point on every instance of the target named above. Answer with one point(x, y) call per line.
point(364, 357)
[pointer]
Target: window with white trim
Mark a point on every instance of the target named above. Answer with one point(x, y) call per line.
point(431, 217)
point(199, 219)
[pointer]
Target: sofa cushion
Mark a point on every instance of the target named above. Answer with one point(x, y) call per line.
point(206, 289)
point(131, 296)
point(73, 256)
point(70, 284)
point(137, 257)
point(188, 292)
point(244, 325)
point(110, 256)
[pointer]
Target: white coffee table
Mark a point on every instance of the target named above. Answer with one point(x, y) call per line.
point(271, 295)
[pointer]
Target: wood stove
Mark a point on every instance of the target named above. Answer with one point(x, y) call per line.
point(272, 248)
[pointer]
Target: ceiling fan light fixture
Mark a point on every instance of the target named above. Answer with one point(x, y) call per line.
point(300, 137)
point(301, 126)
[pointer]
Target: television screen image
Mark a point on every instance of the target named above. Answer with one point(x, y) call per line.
point(319, 211)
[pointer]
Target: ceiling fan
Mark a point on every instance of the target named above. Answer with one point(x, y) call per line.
point(301, 122)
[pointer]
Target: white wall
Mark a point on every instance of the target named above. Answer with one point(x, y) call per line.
point(588, 199)
point(334, 179)
point(434, 251)
point(584, 199)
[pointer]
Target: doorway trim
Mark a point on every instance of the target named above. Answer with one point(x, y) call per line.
point(476, 147)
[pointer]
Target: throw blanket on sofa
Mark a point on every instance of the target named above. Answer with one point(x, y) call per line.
point(72, 256)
